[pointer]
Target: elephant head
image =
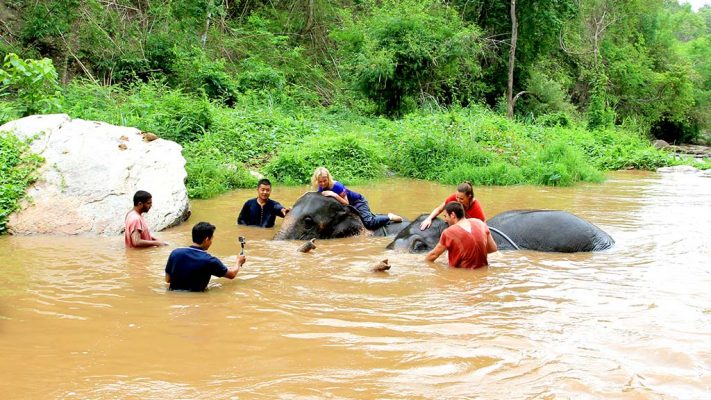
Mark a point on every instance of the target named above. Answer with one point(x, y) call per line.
point(321, 217)
point(414, 240)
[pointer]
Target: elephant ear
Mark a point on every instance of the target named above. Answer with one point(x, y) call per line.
point(347, 223)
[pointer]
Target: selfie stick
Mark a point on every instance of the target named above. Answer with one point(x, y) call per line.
point(241, 242)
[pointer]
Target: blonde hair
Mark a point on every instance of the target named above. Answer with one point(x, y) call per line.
point(319, 172)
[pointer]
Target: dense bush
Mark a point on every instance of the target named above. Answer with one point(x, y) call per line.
point(169, 113)
point(403, 53)
point(348, 157)
point(18, 168)
point(31, 83)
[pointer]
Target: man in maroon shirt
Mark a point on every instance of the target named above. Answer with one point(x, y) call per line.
point(467, 240)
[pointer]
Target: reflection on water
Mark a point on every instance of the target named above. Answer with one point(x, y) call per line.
point(81, 317)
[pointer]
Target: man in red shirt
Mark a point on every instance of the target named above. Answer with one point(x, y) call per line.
point(467, 240)
point(136, 233)
point(465, 196)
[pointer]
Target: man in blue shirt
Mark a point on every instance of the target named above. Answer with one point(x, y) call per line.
point(190, 268)
point(261, 211)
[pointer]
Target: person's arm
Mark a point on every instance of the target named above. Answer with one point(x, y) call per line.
point(341, 198)
point(428, 221)
point(232, 272)
point(243, 214)
point(490, 243)
point(435, 253)
point(138, 242)
point(281, 211)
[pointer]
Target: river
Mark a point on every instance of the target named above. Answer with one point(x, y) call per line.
point(81, 317)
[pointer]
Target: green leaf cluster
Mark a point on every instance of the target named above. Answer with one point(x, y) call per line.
point(18, 167)
point(402, 53)
point(31, 83)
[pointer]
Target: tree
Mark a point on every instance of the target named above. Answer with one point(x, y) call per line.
point(407, 52)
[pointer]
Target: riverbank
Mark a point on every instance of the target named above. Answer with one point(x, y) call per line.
point(286, 141)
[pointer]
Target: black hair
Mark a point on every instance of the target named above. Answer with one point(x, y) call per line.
point(456, 208)
point(263, 181)
point(202, 231)
point(141, 196)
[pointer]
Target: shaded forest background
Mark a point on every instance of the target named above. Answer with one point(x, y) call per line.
point(284, 85)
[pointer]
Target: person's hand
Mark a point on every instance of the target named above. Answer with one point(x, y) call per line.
point(329, 193)
point(285, 211)
point(241, 259)
point(425, 224)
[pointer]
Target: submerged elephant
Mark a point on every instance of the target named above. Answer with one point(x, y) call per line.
point(414, 240)
point(317, 216)
point(541, 230)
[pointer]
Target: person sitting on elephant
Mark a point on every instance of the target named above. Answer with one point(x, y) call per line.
point(467, 240)
point(465, 196)
point(261, 211)
point(323, 182)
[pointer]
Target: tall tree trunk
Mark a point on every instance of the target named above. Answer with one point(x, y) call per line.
point(512, 58)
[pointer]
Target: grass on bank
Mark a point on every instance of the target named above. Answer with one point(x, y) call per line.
point(286, 141)
point(18, 168)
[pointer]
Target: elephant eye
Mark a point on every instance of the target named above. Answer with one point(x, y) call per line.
point(419, 245)
point(308, 220)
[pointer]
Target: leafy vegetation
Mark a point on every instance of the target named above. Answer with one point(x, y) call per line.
point(18, 168)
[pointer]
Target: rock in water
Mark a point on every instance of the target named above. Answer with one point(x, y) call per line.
point(381, 266)
point(90, 174)
point(308, 246)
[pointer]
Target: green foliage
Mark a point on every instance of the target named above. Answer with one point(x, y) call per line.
point(600, 115)
point(18, 167)
point(559, 164)
point(211, 171)
point(198, 73)
point(404, 52)
point(548, 93)
point(349, 158)
point(154, 107)
point(32, 83)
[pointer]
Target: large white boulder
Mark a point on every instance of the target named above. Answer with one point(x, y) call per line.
point(90, 173)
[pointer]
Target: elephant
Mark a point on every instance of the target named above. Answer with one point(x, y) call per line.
point(316, 216)
point(414, 240)
point(540, 230)
point(547, 230)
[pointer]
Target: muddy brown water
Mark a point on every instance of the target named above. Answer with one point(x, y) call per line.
point(81, 317)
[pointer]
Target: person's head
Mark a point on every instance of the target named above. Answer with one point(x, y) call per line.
point(143, 201)
point(322, 178)
point(453, 212)
point(202, 234)
point(465, 194)
point(264, 189)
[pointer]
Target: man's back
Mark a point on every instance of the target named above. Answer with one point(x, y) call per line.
point(190, 268)
point(466, 249)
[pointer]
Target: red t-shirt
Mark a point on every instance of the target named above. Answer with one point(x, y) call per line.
point(466, 250)
point(474, 211)
point(135, 221)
